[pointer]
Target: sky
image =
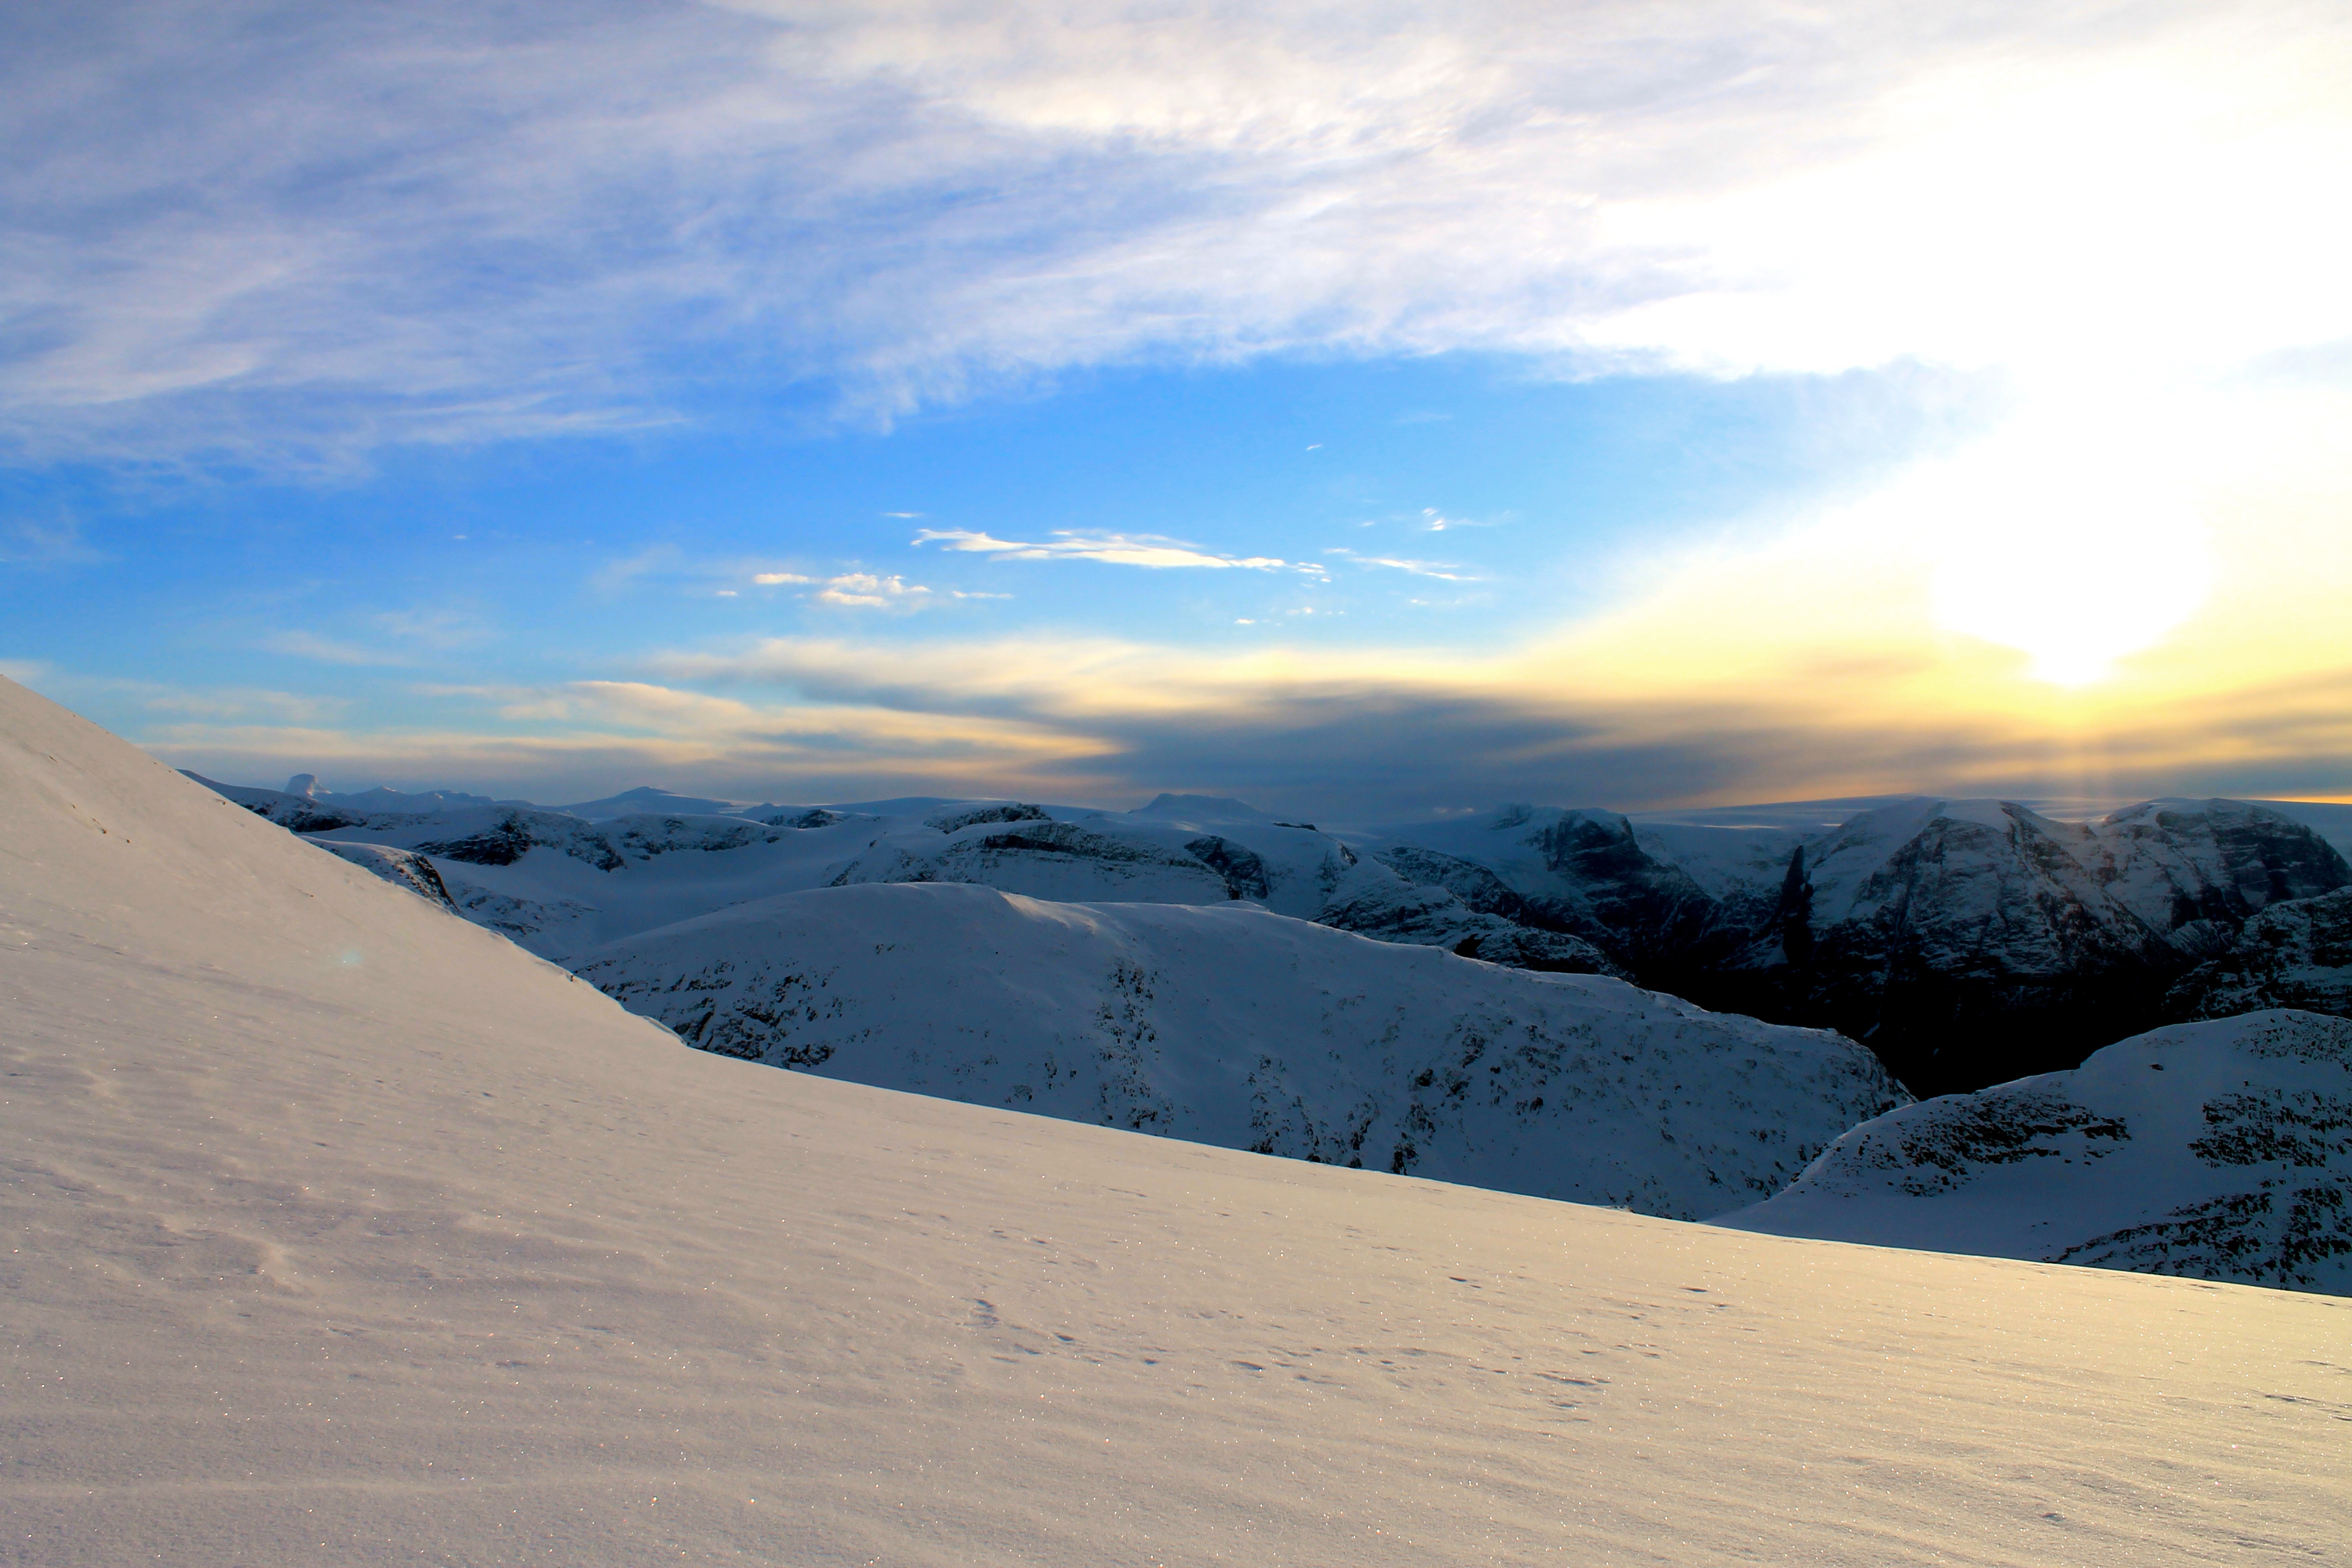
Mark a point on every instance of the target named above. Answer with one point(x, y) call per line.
point(1371, 410)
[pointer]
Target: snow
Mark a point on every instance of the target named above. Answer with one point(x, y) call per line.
point(1202, 809)
point(2332, 820)
point(1411, 895)
point(644, 799)
point(1237, 1027)
point(2218, 1151)
point(342, 1231)
point(2293, 954)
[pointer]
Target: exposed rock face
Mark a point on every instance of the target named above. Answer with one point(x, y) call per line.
point(1648, 913)
point(1974, 942)
point(1245, 870)
point(607, 845)
point(800, 818)
point(402, 867)
point(2294, 954)
point(1479, 888)
point(1234, 1025)
point(1376, 901)
point(956, 817)
point(2218, 1151)
point(1967, 941)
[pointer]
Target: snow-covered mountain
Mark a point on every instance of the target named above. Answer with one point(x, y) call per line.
point(557, 882)
point(2219, 1151)
point(1234, 1025)
point(1976, 941)
point(1589, 874)
point(306, 786)
point(646, 800)
point(1967, 941)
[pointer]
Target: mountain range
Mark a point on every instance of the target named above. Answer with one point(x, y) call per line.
point(1966, 942)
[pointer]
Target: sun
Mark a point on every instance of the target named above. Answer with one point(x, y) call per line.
point(2075, 549)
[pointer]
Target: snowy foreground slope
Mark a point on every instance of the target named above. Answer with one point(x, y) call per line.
point(1234, 1025)
point(341, 1232)
point(2215, 1150)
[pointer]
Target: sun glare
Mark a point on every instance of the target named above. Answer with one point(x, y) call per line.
point(2073, 546)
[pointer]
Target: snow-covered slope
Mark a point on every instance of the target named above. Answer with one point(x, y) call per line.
point(1181, 849)
point(2294, 954)
point(1418, 895)
point(1589, 873)
point(2219, 1151)
point(2332, 820)
point(1238, 1026)
point(342, 1232)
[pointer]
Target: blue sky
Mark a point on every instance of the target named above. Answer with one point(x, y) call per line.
point(1392, 409)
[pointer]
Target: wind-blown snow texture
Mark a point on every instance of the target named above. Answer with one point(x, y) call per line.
point(2219, 1151)
point(1234, 1025)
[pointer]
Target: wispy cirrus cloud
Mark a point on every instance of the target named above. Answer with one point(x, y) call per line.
point(607, 217)
point(391, 637)
point(1114, 549)
point(329, 650)
point(60, 540)
point(1441, 571)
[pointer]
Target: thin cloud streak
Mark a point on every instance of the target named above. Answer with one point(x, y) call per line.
point(1442, 572)
point(1113, 549)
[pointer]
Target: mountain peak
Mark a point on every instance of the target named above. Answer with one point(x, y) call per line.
point(1205, 807)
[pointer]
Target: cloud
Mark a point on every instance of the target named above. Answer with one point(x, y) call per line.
point(775, 579)
point(1117, 548)
point(1810, 664)
point(865, 590)
point(1435, 521)
point(608, 219)
point(439, 628)
point(58, 542)
point(560, 742)
point(328, 651)
point(1397, 564)
point(655, 560)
